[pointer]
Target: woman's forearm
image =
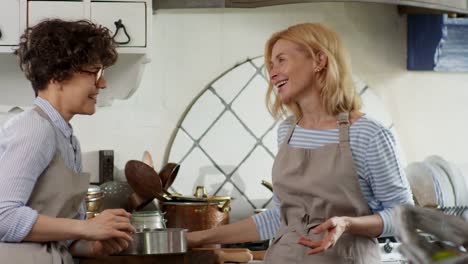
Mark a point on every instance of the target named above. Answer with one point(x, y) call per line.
point(238, 232)
point(369, 225)
point(54, 229)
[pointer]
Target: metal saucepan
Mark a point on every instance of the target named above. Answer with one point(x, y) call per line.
point(157, 241)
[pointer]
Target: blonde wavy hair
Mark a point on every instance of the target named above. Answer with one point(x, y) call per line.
point(337, 90)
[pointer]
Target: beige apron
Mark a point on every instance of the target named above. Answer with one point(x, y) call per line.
point(58, 192)
point(314, 185)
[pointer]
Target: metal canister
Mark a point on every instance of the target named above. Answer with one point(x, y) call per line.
point(143, 220)
point(93, 200)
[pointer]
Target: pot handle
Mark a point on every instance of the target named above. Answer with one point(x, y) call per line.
point(203, 191)
point(226, 207)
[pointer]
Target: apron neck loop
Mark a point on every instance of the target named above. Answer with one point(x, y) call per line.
point(46, 117)
point(291, 130)
point(343, 123)
point(42, 113)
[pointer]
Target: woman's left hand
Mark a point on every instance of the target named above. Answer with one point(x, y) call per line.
point(108, 247)
point(334, 227)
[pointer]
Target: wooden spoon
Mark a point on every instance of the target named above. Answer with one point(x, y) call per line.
point(145, 181)
point(148, 159)
point(168, 174)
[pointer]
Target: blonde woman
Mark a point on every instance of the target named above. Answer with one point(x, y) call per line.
point(337, 174)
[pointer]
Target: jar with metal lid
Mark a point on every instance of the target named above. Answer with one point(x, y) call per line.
point(148, 220)
point(94, 191)
point(93, 200)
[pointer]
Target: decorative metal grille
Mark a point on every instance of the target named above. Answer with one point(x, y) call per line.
point(226, 139)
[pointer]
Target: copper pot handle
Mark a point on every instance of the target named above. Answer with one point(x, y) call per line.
point(226, 207)
point(197, 191)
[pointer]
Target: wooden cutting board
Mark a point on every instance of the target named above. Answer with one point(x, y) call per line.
point(219, 256)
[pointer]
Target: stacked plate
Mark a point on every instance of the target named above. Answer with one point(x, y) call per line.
point(454, 177)
point(436, 182)
point(424, 187)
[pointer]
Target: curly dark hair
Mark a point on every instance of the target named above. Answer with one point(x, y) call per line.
point(55, 49)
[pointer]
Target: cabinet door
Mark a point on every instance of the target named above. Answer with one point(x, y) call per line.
point(40, 10)
point(447, 3)
point(132, 16)
point(10, 22)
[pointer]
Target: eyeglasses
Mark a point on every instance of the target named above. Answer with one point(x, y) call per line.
point(99, 74)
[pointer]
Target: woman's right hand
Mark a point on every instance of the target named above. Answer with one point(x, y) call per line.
point(194, 239)
point(90, 249)
point(109, 224)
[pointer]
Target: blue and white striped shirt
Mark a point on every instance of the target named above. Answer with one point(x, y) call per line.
point(381, 176)
point(27, 146)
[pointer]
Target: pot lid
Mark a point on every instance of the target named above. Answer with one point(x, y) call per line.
point(94, 188)
point(147, 213)
point(200, 196)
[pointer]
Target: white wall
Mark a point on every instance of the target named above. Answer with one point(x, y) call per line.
point(192, 47)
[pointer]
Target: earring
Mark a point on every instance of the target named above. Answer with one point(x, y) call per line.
point(317, 69)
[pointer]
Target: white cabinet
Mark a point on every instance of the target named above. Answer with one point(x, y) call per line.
point(9, 23)
point(40, 10)
point(123, 78)
point(447, 3)
point(127, 19)
point(10, 26)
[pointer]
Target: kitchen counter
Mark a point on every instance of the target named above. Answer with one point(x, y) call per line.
point(147, 259)
point(192, 257)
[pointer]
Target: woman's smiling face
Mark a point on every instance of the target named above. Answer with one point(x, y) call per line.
point(292, 70)
point(81, 91)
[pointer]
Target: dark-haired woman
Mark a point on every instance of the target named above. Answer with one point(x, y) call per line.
point(42, 188)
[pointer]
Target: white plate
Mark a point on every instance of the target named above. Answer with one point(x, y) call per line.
point(456, 178)
point(448, 194)
point(422, 184)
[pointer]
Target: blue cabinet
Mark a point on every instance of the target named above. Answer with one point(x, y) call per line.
point(437, 43)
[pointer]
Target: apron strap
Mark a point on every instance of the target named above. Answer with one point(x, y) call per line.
point(290, 131)
point(42, 113)
point(343, 123)
point(46, 117)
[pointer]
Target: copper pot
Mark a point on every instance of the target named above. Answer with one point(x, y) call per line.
point(197, 213)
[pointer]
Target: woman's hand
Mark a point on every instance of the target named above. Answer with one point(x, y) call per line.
point(108, 247)
point(194, 239)
point(90, 249)
point(109, 225)
point(334, 227)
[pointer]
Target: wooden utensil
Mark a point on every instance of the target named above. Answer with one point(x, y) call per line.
point(168, 174)
point(148, 159)
point(171, 177)
point(146, 183)
point(256, 254)
point(222, 255)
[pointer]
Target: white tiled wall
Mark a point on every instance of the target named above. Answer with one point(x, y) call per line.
point(192, 47)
